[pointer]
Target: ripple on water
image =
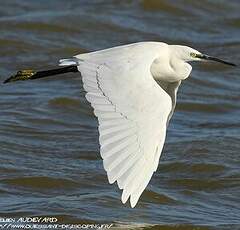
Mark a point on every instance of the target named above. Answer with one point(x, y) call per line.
point(205, 108)
point(156, 198)
point(41, 182)
point(45, 27)
point(164, 6)
point(205, 184)
point(70, 105)
point(63, 102)
point(193, 168)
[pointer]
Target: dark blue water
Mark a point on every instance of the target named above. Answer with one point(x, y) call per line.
point(49, 152)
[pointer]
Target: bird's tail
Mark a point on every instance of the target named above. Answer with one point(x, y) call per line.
point(69, 61)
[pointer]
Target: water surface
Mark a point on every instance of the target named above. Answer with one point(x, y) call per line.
point(49, 152)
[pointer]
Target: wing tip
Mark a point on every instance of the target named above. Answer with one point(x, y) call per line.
point(111, 178)
point(125, 196)
point(134, 200)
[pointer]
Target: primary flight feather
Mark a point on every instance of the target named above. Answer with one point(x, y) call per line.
point(132, 90)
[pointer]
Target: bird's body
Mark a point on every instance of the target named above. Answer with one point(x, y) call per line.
point(132, 109)
point(133, 90)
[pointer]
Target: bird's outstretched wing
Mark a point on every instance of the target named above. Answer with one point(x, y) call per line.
point(132, 111)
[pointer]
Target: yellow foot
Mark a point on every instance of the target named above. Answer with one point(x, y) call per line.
point(21, 75)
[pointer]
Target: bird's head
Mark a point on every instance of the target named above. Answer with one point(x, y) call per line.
point(188, 54)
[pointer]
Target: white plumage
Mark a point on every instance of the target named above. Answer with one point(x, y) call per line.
point(133, 91)
point(133, 110)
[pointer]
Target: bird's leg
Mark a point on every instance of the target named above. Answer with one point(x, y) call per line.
point(23, 75)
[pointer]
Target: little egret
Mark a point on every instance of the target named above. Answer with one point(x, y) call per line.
point(133, 109)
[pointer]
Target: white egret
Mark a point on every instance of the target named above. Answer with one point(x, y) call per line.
point(133, 109)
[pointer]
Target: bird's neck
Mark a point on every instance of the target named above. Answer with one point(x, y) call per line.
point(180, 68)
point(172, 70)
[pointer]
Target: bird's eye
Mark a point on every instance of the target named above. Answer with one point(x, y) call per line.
point(193, 55)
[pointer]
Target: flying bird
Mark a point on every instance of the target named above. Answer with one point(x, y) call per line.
point(132, 89)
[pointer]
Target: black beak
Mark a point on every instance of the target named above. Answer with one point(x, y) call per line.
point(206, 57)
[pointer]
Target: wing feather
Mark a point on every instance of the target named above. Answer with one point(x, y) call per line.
point(117, 159)
point(132, 111)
